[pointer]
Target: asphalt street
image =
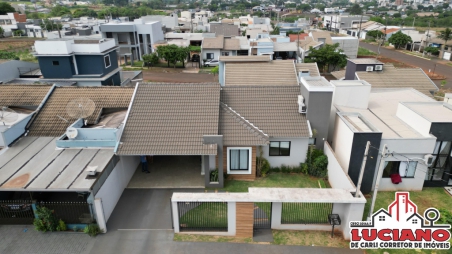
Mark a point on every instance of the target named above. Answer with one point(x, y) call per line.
point(425, 64)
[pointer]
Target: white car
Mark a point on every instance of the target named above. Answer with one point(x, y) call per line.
point(212, 62)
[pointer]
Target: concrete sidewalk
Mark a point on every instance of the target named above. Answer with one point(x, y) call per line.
point(14, 240)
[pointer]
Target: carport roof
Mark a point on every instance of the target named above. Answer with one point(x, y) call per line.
point(34, 164)
point(171, 119)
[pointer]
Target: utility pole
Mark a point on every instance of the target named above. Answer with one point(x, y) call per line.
point(360, 22)
point(428, 35)
point(377, 183)
point(361, 173)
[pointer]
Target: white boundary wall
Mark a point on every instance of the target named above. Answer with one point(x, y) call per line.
point(348, 207)
point(117, 181)
point(336, 174)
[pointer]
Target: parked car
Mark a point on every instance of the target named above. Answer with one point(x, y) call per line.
point(211, 63)
point(195, 58)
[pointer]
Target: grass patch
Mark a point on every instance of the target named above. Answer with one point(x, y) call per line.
point(135, 64)
point(305, 213)
point(212, 215)
point(281, 180)
point(429, 197)
point(365, 52)
point(309, 238)
point(450, 64)
point(210, 238)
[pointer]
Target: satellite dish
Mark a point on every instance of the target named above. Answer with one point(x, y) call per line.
point(80, 108)
point(71, 132)
point(8, 115)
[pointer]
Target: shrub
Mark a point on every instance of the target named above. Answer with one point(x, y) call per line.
point(263, 166)
point(92, 230)
point(319, 167)
point(46, 220)
point(446, 217)
point(214, 175)
point(61, 226)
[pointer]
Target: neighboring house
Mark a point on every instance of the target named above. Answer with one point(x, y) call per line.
point(321, 36)
point(445, 51)
point(135, 38)
point(389, 32)
point(307, 45)
point(213, 48)
point(411, 124)
point(224, 29)
point(49, 164)
point(299, 25)
point(232, 116)
point(338, 23)
point(10, 21)
point(169, 23)
point(86, 62)
point(381, 75)
point(296, 37)
point(261, 45)
point(13, 69)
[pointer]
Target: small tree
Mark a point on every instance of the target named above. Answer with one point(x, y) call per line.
point(399, 39)
point(2, 32)
point(214, 70)
point(432, 50)
point(356, 10)
point(51, 25)
point(375, 34)
point(150, 60)
point(18, 33)
point(445, 35)
point(329, 56)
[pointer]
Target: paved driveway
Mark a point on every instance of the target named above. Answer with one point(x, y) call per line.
point(144, 209)
point(425, 64)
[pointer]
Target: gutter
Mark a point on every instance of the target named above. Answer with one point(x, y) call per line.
point(127, 117)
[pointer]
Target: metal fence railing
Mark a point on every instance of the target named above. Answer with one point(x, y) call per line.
point(305, 213)
point(262, 215)
point(203, 216)
point(70, 212)
point(16, 212)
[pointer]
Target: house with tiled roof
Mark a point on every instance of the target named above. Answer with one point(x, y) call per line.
point(220, 127)
point(214, 47)
point(58, 146)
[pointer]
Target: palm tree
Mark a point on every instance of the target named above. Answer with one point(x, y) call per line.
point(445, 35)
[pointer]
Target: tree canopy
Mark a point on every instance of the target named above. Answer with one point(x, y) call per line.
point(5, 8)
point(51, 25)
point(356, 10)
point(173, 54)
point(399, 39)
point(375, 34)
point(445, 35)
point(329, 56)
point(150, 59)
point(59, 11)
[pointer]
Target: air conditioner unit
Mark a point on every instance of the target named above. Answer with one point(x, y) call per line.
point(378, 67)
point(428, 159)
point(301, 105)
point(369, 68)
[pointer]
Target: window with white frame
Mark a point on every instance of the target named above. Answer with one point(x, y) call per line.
point(403, 168)
point(107, 61)
point(239, 160)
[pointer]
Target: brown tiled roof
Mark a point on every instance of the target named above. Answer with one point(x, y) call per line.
point(231, 44)
point(272, 73)
point(390, 30)
point(391, 77)
point(295, 37)
point(238, 131)
point(48, 122)
point(171, 119)
point(225, 29)
point(312, 67)
point(213, 43)
point(308, 42)
point(22, 95)
point(272, 109)
point(338, 74)
point(323, 35)
point(245, 58)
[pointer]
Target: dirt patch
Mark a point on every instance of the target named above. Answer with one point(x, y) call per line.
point(396, 63)
point(209, 238)
point(16, 44)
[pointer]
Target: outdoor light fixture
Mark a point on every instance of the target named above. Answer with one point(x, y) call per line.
point(334, 220)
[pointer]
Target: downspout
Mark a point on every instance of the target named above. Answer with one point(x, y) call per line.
point(39, 109)
point(127, 117)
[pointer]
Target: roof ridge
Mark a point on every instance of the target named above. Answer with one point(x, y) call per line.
point(259, 132)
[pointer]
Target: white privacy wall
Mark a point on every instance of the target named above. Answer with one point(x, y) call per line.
point(117, 181)
point(298, 149)
point(342, 142)
point(336, 174)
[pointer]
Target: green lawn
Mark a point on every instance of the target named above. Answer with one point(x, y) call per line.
point(211, 214)
point(305, 213)
point(365, 52)
point(282, 180)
